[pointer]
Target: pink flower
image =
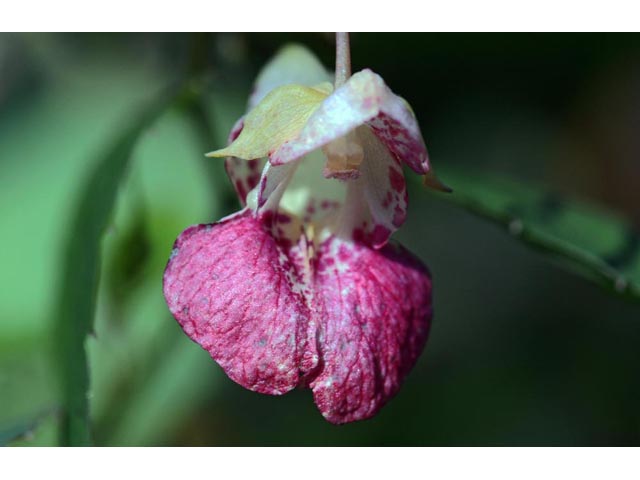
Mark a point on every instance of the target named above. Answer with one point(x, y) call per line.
point(301, 288)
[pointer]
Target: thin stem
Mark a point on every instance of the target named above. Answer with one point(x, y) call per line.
point(343, 58)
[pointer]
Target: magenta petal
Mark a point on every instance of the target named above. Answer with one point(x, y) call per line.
point(374, 309)
point(231, 288)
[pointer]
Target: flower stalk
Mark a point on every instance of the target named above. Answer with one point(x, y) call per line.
point(343, 58)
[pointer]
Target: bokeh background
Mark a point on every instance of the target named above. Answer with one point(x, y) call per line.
point(521, 352)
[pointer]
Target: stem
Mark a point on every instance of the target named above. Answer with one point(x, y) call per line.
point(343, 58)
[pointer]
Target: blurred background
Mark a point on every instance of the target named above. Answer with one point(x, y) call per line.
point(521, 351)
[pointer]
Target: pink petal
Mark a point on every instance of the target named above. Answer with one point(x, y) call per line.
point(374, 312)
point(231, 288)
point(364, 98)
point(244, 174)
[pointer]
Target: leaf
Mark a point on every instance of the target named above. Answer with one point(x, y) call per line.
point(78, 287)
point(591, 241)
point(23, 430)
point(143, 391)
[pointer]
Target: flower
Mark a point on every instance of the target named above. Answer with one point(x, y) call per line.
point(301, 287)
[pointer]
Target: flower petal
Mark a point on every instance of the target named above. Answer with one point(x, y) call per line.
point(244, 175)
point(397, 128)
point(285, 226)
point(233, 290)
point(376, 202)
point(384, 189)
point(293, 64)
point(272, 186)
point(294, 188)
point(346, 108)
point(374, 310)
point(364, 98)
point(277, 118)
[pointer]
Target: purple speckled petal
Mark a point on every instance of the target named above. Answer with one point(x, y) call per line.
point(233, 289)
point(384, 189)
point(364, 98)
point(244, 298)
point(244, 174)
point(374, 312)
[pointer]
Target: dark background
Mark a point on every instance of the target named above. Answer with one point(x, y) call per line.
point(521, 352)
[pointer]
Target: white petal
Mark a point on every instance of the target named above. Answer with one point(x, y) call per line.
point(376, 203)
point(345, 109)
point(310, 195)
point(364, 98)
point(272, 186)
point(293, 64)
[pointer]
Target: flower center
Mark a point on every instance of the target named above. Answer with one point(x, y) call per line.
point(344, 156)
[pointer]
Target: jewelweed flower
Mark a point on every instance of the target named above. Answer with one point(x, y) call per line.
point(301, 287)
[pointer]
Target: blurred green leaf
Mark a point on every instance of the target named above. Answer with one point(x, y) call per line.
point(158, 407)
point(27, 430)
point(585, 239)
point(173, 185)
point(75, 313)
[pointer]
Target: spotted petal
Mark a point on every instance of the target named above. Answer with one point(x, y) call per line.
point(232, 289)
point(244, 174)
point(384, 189)
point(374, 311)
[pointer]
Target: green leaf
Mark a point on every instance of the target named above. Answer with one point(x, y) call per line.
point(142, 393)
point(23, 431)
point(591, 241)
point(78, 287)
